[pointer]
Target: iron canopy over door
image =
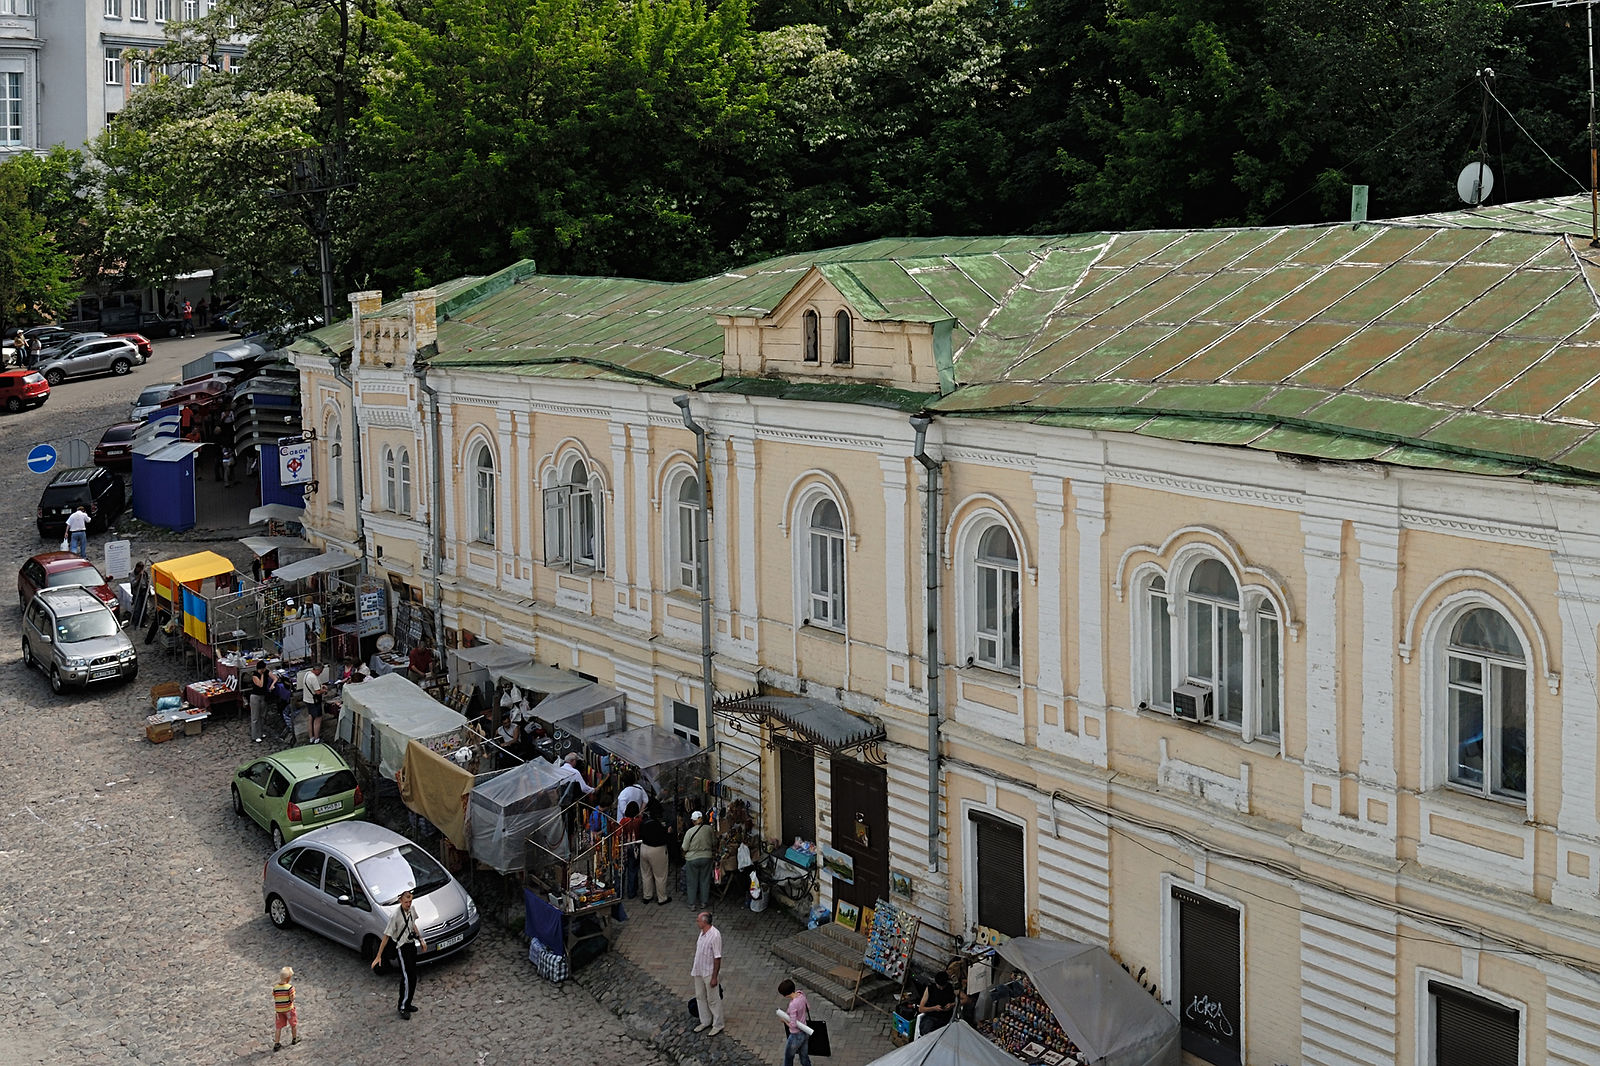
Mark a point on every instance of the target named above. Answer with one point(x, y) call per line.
point(861, 829)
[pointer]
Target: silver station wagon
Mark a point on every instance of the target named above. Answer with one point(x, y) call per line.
point(345, 880)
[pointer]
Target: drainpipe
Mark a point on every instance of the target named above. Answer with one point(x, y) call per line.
point(355, 441)
point(436, 508)
point(702, 561)
point(930, 536)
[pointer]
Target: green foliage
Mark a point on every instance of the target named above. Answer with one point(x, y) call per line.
point(35, 273)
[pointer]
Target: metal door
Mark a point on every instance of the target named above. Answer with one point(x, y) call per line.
point(861, 829)
point(797, 792)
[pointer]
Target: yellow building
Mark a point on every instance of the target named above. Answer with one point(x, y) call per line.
point(1263, 566)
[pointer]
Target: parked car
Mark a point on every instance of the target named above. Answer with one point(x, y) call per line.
point(297, 790)
point(141, 342)
point(55, 570)
point(76, 639)
point(150, 400)
point(69, 343)
point(115, 450)
point(344, 881)
point(22, 388)
point(104, 355)
point(100, 491)
point(49, 336)
point(157, 325)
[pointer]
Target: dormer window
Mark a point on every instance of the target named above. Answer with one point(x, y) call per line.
point(841, 338)
point(813, 333)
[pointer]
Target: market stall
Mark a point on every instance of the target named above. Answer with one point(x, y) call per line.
point(474, 667)
point(1062, 1001)
point(507, 811)
point(185, 588)
point(571, 720)
point(957, 1044)
point(379, 717)
point(581, 877)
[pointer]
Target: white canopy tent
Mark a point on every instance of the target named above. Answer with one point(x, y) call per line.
point(957, 1044)
point(473, 667)
point(380, 716)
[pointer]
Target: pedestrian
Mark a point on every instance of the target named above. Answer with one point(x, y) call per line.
point(798, 1018)
point(632, 792)
point(283, 1009)
point(204, 311)
point(574, 787)
point(78, 532)
point(260, 692)
point(188, 319)
point(699, 847)
point(707, 974)
point(35, 346)
point(402, 931)
point(419, 663)
point(312, 684)
point(653, 838)
point(628, 834)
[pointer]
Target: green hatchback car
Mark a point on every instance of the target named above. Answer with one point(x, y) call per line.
point(297, 790)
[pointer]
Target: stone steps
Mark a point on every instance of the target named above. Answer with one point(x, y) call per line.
point(825, 959)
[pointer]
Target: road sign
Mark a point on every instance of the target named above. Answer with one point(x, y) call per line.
point(41, 458)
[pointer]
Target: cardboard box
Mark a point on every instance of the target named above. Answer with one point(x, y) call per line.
point(191, 728)
point(159, 734)
point(166, 688)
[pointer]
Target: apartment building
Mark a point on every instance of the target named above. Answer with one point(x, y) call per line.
point(1228, 598)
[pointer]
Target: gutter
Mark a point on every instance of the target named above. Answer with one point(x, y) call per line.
point(436, 504)
point(702, 565)
point(930, 536)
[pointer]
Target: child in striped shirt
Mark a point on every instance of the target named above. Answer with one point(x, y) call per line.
point(283, 1005)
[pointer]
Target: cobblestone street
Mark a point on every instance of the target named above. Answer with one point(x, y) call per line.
point(130, 895)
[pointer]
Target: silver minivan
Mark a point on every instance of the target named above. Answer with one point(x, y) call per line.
point(72, 636)
point(344, 881)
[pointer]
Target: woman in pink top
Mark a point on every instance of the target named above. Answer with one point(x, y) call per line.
point(798, 1045)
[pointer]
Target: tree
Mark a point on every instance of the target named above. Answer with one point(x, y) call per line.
point(35, 274)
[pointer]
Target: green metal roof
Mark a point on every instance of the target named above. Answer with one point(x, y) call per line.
point(1463, 341)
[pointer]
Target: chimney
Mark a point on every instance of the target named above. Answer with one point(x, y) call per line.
point(361, 303)
point(422, 306)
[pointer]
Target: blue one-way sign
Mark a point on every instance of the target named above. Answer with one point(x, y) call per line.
point(41, 459)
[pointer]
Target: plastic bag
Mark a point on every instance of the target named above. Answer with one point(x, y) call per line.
point(64, 545)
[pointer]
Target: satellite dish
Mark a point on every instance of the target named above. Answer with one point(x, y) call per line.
point(1475, 183)
point(385, 644)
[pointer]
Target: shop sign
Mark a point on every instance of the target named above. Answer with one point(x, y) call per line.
point(371, 615)
point(294, 463)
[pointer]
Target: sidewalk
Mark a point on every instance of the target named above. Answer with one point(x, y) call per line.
point(645, 982)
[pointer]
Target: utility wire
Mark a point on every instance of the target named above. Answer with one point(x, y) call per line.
point(1512, 115)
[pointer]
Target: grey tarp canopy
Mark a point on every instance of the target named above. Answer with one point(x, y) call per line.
point(506, 810)
point(317, 564)
point(1105, 1012)
point(651, 750)
point(474, 667)
point(957, 1044)
point(544, 680)
point(381, 715)
point(588, 712)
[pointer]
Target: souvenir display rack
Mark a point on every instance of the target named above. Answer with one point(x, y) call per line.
point(891, 941)
point(1027, 1028)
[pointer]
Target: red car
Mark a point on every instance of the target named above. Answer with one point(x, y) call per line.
point(141, 342)
point(59, 569)
point(22, 388)
point(115, 450)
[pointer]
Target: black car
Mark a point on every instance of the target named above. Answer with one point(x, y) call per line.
point(100, 491)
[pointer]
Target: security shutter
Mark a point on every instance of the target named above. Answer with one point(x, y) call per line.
point(998, 870)
point(1470, 1031)
point(797, 783)
point(1208, 978)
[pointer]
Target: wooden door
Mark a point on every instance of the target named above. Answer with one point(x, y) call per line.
point(861, 829)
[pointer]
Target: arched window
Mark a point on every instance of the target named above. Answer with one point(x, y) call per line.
point(483, 495)
point(825, 579)
point(1160, 643)
point(999, 602)
point(1486, 714)
point(812, 327)
point(336, 465)
point(391, 479)
point(404, 492)
point(683, 545)
point(572, 519)
point(1215, 645)
point(841, 338)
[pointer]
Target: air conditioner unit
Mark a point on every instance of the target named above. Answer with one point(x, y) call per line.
point(1192, 702)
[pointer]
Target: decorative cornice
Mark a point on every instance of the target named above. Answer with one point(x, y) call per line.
point(1502, 531)
point(1194, 486)
point(389, 417)
point(988, 457)
point(839, 440)
point(382, 388)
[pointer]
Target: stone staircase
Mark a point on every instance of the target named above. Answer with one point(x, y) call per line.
point(826, 960)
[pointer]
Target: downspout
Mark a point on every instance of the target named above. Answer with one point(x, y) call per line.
point(703, 566)
point(436, 505)
point(355, 442)
point(930, 536)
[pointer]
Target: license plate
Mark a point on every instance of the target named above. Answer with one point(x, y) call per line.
point(450, 943)
point(327, 808)
point(101, 675)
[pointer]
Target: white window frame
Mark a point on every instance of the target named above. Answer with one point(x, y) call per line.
point(11, 107)
point(676, 714)
point(138, 71)
point(163, 10)
point(1170, 944)
point(1436, 699)
point(484, 484)
point(574, 516)
point(681, 524)
point(969, 851)
point(389, 479)
point(336, 463)
point(113, 66)
point(405, 482)
point(191, 10)
point(825, 575)
point(970, 634)
point(113, 9)
point(16, 7)
point(997, 646)
point(1427, 1032)
point(137, 10)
